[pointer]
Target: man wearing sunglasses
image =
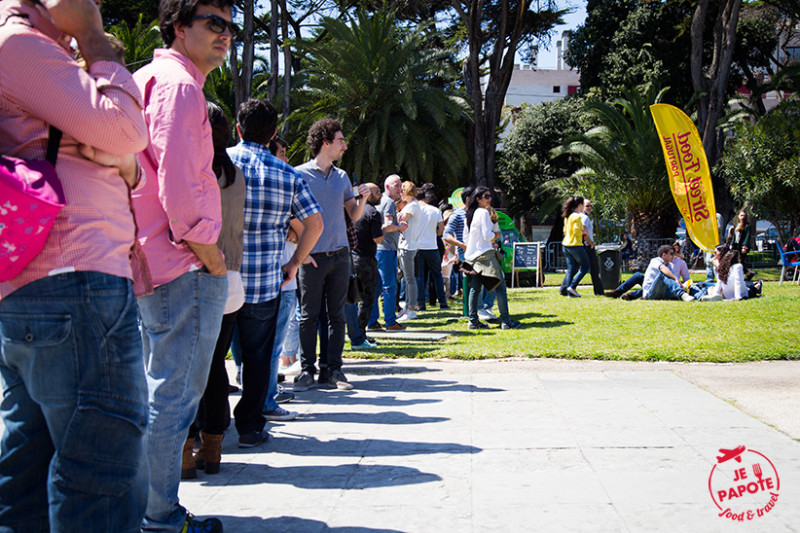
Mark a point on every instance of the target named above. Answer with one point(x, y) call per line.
point(179, 218)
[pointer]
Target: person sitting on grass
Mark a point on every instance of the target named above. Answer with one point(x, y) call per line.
point(658, 282)
point(679, 266)
point(731, 284)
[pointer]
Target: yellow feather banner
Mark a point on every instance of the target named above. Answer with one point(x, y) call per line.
point(689, 175)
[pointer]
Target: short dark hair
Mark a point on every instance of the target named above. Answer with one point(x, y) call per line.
point(171, 12)
point(257, 121)
point(276, 142)
point(430, 198)
point(665, 249)
point(322, 130)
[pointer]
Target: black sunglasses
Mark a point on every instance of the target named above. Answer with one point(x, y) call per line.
point(218, 24)
point(486, 195)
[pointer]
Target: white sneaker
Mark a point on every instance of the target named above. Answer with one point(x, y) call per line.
point(292, 370)
point(486, 314)
point(410, 315)
point(686, 297)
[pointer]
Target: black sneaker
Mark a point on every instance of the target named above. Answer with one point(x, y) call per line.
point(304, 381)
point(337, 380)
point(254, 438)
point(477, 325)
point(209, 525)
point(283, 396)
point(511, 324)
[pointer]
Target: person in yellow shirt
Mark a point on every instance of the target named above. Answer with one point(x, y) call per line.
point(577, 259)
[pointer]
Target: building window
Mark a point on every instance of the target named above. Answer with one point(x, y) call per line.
point(556, 89)
point(792, 53)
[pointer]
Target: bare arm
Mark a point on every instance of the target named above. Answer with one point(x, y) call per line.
point(312, 229)
point(667, 272)
point(211, 257)
point(355, 207)
point(450, 239)
point(81, 19)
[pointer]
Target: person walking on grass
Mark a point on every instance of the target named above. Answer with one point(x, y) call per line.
point(574, 234)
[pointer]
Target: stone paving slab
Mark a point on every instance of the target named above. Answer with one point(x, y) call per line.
point(424, 446)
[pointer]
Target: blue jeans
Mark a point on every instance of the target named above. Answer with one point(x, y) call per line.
point(636, 279)
point(72, 375)
point(353, 331)
point(665, 288)
point(292, 339)
point(180, 325)
point(576, 258)
point(286, 312)
point(475, 287)
point(430, 261)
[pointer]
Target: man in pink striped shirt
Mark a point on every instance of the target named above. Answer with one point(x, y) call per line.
point(74, 407)
point(179, 216)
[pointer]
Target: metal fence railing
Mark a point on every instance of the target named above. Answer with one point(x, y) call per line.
point(643, 251)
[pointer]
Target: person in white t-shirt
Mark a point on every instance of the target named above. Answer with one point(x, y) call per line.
point(660, 282)
point(428, 257)
point(482, 230)
point(412, 215)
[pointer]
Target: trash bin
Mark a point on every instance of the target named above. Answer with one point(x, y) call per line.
point(610, 259)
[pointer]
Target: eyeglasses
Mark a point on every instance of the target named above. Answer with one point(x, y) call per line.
point(486, 195)
point(218, 24)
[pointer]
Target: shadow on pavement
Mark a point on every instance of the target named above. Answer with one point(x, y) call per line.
point(419, 385)
point(290, 524)
point(386, 417)
point(302, 445)
point(346, 476)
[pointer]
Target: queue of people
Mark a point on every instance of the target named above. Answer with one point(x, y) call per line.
point(172, 247)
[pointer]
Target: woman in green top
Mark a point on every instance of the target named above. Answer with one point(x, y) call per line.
point(577, 258)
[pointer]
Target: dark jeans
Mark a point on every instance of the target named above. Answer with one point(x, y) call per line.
point(367, 269)
point(328, 278)
point(431, 261)
point(257, 336)
point(594, 266)
point(214, 412)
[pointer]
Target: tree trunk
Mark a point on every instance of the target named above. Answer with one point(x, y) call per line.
point(287, 68)
point(710, 82)
point(242, 73)
point(272, 86)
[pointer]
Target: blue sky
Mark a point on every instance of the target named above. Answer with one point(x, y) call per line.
point(547, 57)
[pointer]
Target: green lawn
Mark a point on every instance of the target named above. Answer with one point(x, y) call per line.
point(603, 328)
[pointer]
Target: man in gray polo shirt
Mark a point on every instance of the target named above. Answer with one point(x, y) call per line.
point(334, 193)
point(387, 257)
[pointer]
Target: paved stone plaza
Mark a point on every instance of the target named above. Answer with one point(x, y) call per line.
point(523, 445)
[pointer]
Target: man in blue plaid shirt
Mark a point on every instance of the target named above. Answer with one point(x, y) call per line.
point(275, 192)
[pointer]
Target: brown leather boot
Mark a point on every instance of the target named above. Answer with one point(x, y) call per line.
point(209, 455)
point(188, 470)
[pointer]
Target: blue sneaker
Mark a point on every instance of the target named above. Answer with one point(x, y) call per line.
point(209, 525)
point(366, 345)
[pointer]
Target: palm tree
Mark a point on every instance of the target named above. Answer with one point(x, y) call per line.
point(623, 163)
point(391, 92)
point(140, 41)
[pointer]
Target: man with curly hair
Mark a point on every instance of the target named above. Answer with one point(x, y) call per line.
point(332, 188)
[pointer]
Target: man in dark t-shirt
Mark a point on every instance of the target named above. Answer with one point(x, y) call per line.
point(368, 235)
